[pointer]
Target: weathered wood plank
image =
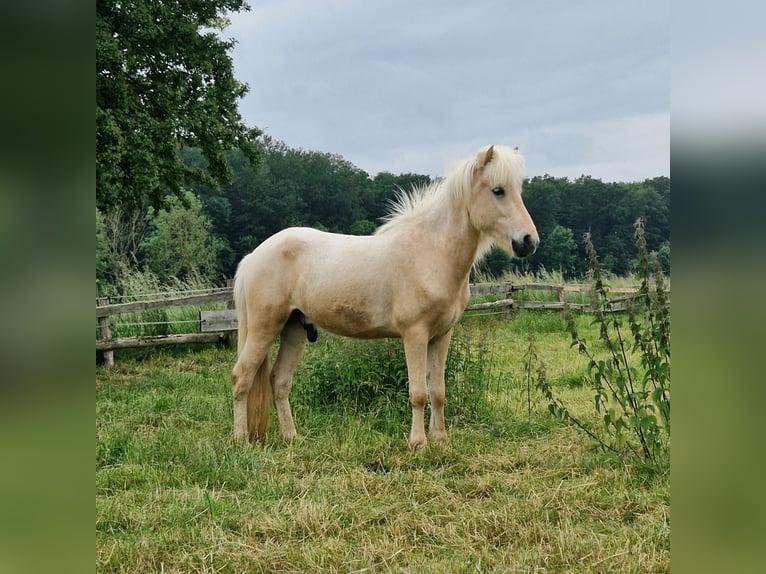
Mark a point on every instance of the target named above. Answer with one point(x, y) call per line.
point(105, 332)
point(550, 305)
point(481, 289)
point(491, 305)
point(131, 342)
point(219, 297)
point(541, 287)
point(222, 320)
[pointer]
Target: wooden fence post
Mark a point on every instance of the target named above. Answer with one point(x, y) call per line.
point(231, 336)
point(105, 331)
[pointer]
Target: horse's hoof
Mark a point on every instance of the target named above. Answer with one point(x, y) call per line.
point(237, 439)
point(417, 443)
point(438, 436)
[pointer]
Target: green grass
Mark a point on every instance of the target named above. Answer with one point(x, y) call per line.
point(508, 493)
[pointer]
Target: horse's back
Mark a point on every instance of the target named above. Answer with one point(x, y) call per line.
point(305, 259)
point(344, 283)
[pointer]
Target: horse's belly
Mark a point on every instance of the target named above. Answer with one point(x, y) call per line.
point(365, 333)
point(351, 320)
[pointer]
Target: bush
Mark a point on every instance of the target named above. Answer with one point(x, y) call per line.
point(370, 378)
point(181, 242)
point(633, 402)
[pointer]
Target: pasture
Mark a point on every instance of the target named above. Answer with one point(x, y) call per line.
point(509, 492)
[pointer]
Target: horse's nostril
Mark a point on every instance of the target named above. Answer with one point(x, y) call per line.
point(526, 246)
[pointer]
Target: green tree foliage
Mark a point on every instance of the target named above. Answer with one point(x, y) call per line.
point(494, 264)
point(102, 258)
point(298, 187)
point(169, 246)
point(559, 251)
point(119, 235)
point(164, 80)
point(663, 257)
point(295, 187)
point(181, 243)
point(606, 211)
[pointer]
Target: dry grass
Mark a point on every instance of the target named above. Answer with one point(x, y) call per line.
point(513, 494)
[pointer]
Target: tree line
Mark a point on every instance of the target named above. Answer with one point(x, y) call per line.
point(206, 232)
point(184, 188)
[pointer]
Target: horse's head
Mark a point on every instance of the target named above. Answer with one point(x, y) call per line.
point(496, 209)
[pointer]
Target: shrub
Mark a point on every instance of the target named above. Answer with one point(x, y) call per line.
point(633, 402)
point(370, 378)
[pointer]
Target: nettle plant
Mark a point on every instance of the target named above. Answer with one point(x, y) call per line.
point(632, 383)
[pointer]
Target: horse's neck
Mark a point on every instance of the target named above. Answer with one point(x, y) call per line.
point(456, 240)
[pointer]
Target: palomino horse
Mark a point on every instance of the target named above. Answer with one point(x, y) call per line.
point(408, 280)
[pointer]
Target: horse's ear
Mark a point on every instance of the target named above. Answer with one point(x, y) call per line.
point(482, 159)
point(488, 155)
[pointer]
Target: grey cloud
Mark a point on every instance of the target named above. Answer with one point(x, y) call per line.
point(407, 86)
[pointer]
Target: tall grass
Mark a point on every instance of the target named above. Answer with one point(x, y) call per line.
point(511, 491)
point(138, 285)
point(369, 378)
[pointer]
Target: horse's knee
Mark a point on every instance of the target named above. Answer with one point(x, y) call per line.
point(418, 397)
point(436, 394)
point(241, 382)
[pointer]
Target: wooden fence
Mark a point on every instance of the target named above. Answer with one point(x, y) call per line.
point(219, 326)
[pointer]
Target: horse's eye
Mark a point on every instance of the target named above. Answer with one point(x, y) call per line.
point(498, 191)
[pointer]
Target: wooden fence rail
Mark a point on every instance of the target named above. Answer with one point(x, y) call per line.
point(223, 296)
point(219, 325)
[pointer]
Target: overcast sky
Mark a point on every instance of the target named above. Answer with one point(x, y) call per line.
point(406, 86)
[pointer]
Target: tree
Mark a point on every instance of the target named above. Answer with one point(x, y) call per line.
point(164, 79)
point(362, 227)
point(559, 251)
point(663, 257)
point(181, 243)
point(495, 263)
point(119, 234)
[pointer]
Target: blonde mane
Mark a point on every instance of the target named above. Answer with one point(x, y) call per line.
point(506, 165)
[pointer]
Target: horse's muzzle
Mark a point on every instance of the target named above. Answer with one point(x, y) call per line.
point(527, 246)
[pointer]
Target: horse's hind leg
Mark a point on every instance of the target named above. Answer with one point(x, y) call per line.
point(291, 346)
point(437, 356)
point(250, 375)
point(250, 360)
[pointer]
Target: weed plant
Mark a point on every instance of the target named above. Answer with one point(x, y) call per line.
point(632, 401)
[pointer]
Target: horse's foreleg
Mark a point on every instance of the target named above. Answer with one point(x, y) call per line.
point(292, 344)
point(415, 351)
point(437, 357)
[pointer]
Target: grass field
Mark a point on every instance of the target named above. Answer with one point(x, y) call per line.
point(509, 492)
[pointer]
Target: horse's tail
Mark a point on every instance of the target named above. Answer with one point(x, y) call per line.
point(259, 397)
point(258, 402)
point(240, 304)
